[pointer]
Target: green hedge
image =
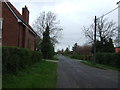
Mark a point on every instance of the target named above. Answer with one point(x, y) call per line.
point(82, 57)
point(112, 59)
point(77, 56)
point(14, 58)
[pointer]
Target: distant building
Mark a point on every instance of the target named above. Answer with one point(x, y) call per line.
point(117, 50)
point(15, 27)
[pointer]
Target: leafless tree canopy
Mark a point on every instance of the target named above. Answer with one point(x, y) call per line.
point(48, 19)
point(82, 50)
point(105, 30)
point(117, 41)
point(85, 50)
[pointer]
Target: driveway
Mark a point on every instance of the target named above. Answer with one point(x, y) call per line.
point(74, 74)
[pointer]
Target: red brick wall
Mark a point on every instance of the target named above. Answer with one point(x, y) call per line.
point(32, 41)
point(21, 36)
point(0, 9)
point(14, 33)
point(10, 27)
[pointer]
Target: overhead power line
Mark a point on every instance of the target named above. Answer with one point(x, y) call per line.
point(80, 38)
point(108, 12)
point(101, 17)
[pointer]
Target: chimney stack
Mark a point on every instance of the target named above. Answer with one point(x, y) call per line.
point(25, 14)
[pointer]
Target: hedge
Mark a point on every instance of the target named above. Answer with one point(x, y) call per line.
point(112, 59)
point(82, 57)
point(14, 59)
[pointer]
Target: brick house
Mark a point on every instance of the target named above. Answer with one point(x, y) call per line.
point(117, 50)
point(15, 27)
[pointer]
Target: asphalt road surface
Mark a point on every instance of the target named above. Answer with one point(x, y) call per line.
point(74, 74)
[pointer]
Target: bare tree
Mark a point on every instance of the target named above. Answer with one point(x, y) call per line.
point(48, 19)
point(82, 50)
point(89, 32)
point(85, 50)
point(117, 41)
point(105, 30)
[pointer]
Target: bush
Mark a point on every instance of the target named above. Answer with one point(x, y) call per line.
point(112, 59)
point(75, 56)
point(14, 58)
point(82, 57)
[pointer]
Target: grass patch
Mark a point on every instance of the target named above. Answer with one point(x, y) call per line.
point(101, 66)
point(109, 67)
point(40, 75)
point(55, 58)
point(91, 64)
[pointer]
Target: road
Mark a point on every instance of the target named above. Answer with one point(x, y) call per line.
point(74, 74)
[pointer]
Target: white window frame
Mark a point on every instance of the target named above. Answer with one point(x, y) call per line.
point(0, 24)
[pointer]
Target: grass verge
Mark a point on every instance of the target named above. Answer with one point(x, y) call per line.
point(55, 58)
point(40, 75)
point(101, 66)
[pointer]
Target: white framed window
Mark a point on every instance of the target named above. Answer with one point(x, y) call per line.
point(0, 29)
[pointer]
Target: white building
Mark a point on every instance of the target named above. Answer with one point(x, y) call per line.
point(118, 3)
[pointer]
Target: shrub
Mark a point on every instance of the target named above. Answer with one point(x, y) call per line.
point(82, 57)
point(112, 59)
point(14, 58)
point(75, 56)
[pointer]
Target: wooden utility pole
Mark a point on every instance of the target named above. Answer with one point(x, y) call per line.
point(95, 40)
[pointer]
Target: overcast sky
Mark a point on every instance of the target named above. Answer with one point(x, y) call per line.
point(73, 15)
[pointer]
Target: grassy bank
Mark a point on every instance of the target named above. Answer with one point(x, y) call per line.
point(55, 57)
point(101, 66)
point(40, 75)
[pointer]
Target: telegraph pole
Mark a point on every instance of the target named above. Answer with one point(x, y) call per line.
point(95, 40)
point(118, 24)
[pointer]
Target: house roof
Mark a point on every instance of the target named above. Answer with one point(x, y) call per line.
point(19, 16)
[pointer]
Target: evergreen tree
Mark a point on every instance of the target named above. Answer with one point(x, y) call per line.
point(110, 46)
point(106, 46)
point(99, 46)
point(74, 48)
point(67, 51)
point(47, 47)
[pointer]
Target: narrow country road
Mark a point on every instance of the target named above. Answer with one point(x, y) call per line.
point(74, 74)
